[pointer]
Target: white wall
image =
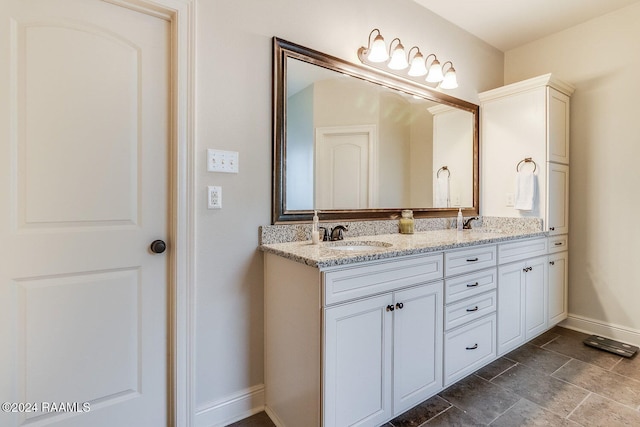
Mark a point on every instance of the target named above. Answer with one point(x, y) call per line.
point(601, 58)
point(234, 113)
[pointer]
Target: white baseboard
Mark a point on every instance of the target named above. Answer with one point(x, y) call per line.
point(607, 330)
point(273, 417)
point(231, 409)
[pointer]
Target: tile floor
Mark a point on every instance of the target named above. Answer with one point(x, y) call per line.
point(554, 380)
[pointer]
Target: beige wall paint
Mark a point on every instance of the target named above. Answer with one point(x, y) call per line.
point(234, 113)
point(601, 58)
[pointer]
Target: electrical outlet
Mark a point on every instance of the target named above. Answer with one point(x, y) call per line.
point(510, 200)
point(222, 161)
point(214, 197)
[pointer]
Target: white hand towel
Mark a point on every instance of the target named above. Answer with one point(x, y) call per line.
point(442, 199)
point(525, 190)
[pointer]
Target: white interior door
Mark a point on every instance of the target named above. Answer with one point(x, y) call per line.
point(84, 119)
point(345, 166)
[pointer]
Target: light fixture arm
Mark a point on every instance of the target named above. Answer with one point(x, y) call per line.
point(376, 50)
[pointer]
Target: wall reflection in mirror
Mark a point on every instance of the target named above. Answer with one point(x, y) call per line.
point(357, 143)
point(353, 144)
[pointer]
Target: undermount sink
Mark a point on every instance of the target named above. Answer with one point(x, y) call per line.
point(357, 246)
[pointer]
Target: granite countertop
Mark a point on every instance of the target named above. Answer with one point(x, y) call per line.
point(323, 255)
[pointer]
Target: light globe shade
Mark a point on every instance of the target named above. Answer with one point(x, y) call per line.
point(398, 58)
point(378, 51)
point(435, 72)
point(417, 66)
point(450, 81)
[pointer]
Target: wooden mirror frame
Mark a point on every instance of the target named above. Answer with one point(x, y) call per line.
point(282, 50)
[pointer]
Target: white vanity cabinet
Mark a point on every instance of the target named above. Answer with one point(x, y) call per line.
point(558, 289)
point(528, 119)
point(522, 292)
point(354, 344)
point(470, 311)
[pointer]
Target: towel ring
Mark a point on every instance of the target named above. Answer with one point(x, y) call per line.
point(444, 168)
point(526, 160)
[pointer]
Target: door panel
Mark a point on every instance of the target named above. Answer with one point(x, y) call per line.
point(85, 173)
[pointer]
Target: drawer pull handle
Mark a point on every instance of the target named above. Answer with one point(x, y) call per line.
point(552, 262)
point(472, 309)
point(552, 228)
point(472, 259)
point(399, 306)
point(472, 285)
point(558, 243)
point(390, 308)
point(472, 347)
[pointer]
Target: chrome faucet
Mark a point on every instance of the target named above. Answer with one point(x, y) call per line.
point(467, 224)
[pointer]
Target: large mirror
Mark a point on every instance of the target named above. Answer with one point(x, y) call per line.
point(357, 143)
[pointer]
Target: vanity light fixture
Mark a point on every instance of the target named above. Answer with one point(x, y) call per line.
point(398, 59)
point(435, 70)
point(450, 81)
point(417, 63)
point(376, 51)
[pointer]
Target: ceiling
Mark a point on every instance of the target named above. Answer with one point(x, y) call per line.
point(506, 24)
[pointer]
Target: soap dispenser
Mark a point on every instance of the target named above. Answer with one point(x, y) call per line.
point(315, 232)
point(460, 220)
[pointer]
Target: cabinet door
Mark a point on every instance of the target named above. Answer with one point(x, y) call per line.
point(510, 307)
point(558, 280)
point(535, 296)
point(357, 375)
point(557, 199)
point(417, 345)
point(557, 126)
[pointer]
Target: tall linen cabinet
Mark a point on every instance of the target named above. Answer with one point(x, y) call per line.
point(525, 126)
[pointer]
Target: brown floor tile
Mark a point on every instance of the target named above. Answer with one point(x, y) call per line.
point(548, 392)
point(538, 358)
point(453, 417)
point(479, 399)
point(572, 346)
point(261, 419)
point(568, 332)
point(598, 411)
point(495, 368)
point(528, 414)
point(606, 383)
point(421, 413)
point(544, 338)
point(629, 367)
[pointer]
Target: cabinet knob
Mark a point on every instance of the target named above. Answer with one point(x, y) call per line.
point(472, 285)
point(472, 309)
point(399, 305)
point(390, 308)
point(473, 347)
point(551, 228)
point(552, 262)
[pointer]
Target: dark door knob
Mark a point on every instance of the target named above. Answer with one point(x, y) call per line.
point(158, 246)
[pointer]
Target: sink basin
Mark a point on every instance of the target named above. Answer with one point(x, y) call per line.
point(357, 246)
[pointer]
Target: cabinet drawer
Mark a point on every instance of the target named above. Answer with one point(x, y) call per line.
point(468, 348)
point(468, 260)
point(517, 251)
point(344, 284)
point(558, 243)
point(468, 285)
point(469, 309)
